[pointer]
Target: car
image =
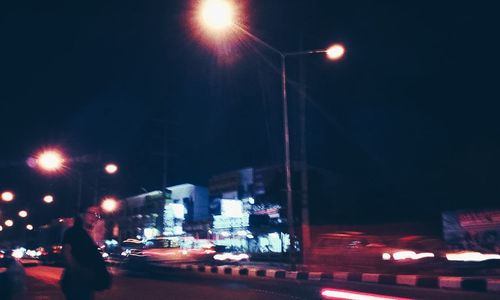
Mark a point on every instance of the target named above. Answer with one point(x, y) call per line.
point(360, 250)
point(129, 246)
point(230, 255)
point(52, 255)
point(167, 250)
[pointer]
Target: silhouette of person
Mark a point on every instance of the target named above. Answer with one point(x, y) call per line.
point(85, 271)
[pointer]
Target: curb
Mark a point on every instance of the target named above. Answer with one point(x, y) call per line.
point(440, 282)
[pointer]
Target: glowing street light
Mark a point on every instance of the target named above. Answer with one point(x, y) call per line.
point(9, 223)
point(109, 205)
point(48, 199)
point(50, 160)
point(22, 213)
point(111, 168)
point(1, 228)
point(335, 52)
point(217, 15)
point(8, 196)
point(29, 227)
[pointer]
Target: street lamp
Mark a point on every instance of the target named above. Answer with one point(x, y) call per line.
point(29, 227)
point(218, 15)
point(22, 213)
point(48, 199)
point(8, 196)
point(111, 168)
point(109, 205)
point(335, 52)
point(1, 228)
point(9, 223)
point(51, 160)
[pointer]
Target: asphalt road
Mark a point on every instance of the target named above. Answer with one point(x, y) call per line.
point(43, 284)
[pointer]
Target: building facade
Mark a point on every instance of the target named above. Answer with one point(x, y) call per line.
point(247, 210)
point(157, 213)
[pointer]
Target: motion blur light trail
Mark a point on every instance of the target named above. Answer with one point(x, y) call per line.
point(346, 294)
point(471, 256)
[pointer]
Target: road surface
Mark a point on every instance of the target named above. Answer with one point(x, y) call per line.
point(43, 284)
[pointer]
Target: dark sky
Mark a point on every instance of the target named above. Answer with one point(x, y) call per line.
point(409, 116)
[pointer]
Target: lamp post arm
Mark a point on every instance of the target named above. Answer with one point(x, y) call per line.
point(298, 53)
point(260, 41)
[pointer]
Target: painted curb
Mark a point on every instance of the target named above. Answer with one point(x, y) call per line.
point(440, 282)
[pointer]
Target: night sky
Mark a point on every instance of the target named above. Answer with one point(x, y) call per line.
point(408, 118)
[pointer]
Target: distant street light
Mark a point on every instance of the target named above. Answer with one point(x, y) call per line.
point(22, 213)
point(50, 160)
point(29, 227)
point(1, 228)
point(109, 205)
point(48, 199)
point(9, 223)
point(111, 168)
point(218, 16)
point(8, 196)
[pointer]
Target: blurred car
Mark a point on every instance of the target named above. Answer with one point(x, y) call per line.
point(104, 254)
point(413, 248)
point(168, 250)
point(51, 255)
point(129, 246)
point(356, 249)
point(346, 248)
point(230, 255)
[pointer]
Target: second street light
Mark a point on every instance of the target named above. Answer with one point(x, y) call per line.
point(50, 161)
point(48, 199)
point(109, 204)
point(219, 16)
point(8, 196)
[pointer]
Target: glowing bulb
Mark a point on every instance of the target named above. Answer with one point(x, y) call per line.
point(111, 168)
point(50, 160)
point(48, 199)
point(217, 14)
point(109, 205)
point(335, 52)
point(8, 196)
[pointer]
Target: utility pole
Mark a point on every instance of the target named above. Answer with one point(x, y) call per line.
point(304, 179)
point(165, 156)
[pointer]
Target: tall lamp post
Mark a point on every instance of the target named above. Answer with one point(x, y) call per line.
point(218, 16)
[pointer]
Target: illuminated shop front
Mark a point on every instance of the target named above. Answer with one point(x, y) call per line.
point(230, 227)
